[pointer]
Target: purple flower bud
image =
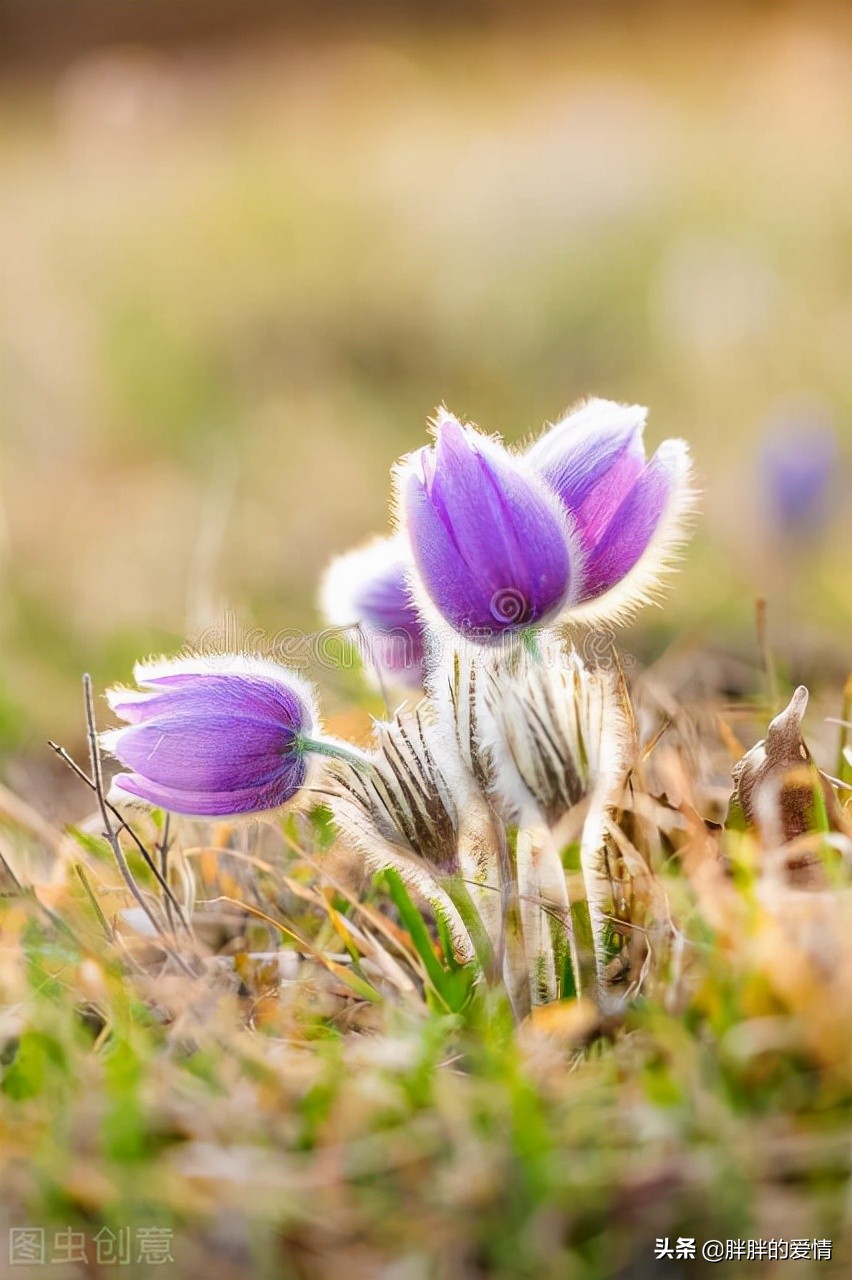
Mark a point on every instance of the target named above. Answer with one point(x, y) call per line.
point(798, 464)
point(489, 541)
point(368, 588)
point(212, 736)
point(627, 513)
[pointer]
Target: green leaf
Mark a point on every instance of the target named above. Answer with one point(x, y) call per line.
point(442, 979)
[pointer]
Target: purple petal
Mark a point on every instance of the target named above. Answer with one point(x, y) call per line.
point(619, 546)
point(398, 653)
point(491, 551)
point(591, 458)
point(206, 752)
point(217, 735)
point(391, 625)
point(384, 600)
point(214, 804)
point(369, 587)
point(189, 694)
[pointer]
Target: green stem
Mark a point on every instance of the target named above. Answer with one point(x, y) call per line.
point(334, 751)
point(458, 893)
point(529, 636)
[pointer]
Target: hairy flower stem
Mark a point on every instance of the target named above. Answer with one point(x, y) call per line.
point(478, 853)
point(598, 890)
point(459, 895)
point(545, 914)
point(511, 949)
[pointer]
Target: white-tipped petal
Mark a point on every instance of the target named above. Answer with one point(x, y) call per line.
point(645, 580)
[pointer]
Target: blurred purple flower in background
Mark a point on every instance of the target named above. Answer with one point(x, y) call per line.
point(213, 737)
point(368, 588)
point(490, 543)
point(798, 464)
point(627, 512)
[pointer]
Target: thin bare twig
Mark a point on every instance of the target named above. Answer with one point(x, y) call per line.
point(123, 825)
point(163, 846)
point(109, 832)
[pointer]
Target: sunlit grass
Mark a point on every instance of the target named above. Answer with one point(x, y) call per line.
point(314, 1082)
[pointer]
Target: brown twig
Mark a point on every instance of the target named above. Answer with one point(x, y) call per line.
point(123, 825)
point(109, 832)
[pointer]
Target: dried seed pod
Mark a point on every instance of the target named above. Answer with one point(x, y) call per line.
point(777, 784)
point(418, 810)
point(559, 731)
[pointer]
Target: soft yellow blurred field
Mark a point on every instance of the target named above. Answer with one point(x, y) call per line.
point(238, 280)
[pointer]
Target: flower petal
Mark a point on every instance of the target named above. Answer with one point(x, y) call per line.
point(591, 458)
point(205, 752)
point(489, 541)
point(214, 735)
point(164, 673)
point(183, 693)
point(369, 588)
point(133, 787)
point(623, 566)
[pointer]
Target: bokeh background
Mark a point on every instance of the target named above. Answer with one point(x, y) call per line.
point(248, 248)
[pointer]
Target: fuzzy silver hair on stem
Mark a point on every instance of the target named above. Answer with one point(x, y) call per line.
point(413, 810)
point(523, 750)
point(550, 742)
point(563, 743)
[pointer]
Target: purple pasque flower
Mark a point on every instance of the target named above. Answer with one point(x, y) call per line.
point(799, 458)
point(489, 542)
point(626, 512)
point(213, 736)
point(369, 588)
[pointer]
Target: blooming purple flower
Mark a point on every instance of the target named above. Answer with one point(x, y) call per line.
point(626, 512)
point(579, 527)
point(213, 736)
point(798, 464)
point(489, 542)
point(368, 588)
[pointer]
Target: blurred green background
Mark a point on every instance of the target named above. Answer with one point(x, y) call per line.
point(245, 257)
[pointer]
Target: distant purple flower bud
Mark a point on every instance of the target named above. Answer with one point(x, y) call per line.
point(212, 736)
point(626, 513)
point(798, 464)
point(368, 588)
point(489, 541)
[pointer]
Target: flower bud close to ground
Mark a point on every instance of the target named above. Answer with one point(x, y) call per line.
point(214, 737)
